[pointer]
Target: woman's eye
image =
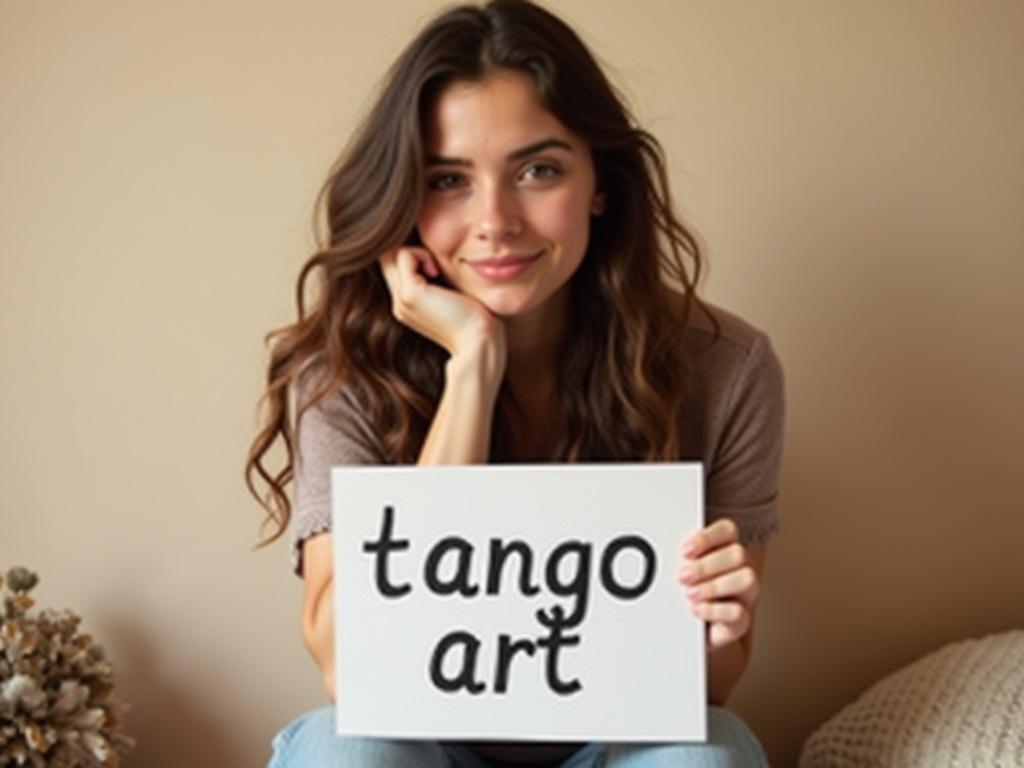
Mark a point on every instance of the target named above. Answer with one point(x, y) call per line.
point(444, 181)
point(540, 172)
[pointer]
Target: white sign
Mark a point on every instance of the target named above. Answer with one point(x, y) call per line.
point(517, 602)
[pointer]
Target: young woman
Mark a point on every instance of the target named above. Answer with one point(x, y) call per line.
point(504, 280)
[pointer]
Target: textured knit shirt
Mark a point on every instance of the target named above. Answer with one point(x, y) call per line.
point(732, 421)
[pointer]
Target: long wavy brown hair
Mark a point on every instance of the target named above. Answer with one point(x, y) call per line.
point(623, 372)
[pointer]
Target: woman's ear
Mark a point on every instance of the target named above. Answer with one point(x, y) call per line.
point(597, 204)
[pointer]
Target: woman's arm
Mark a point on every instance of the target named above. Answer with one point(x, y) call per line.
point(475, 340)
point(728, 663)
point(318, 604)
point(459, 434)
point(461, 430)
point(722, 579)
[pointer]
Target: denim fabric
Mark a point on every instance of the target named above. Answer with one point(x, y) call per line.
point(310, 742)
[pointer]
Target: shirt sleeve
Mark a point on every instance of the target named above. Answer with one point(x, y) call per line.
point(743, 477)
point(335, 432)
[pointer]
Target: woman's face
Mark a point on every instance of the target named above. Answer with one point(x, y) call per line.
point(509, 194)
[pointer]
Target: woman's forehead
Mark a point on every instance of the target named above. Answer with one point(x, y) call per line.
point(496, 115)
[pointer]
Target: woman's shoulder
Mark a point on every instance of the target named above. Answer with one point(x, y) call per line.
point(721, 342)
point(734, 420)
point(733, 374)
point(332, 419)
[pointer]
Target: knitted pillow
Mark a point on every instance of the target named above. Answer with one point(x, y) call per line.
point(962, 705)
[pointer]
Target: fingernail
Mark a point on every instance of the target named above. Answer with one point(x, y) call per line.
point(686, 574)
point(693, 593)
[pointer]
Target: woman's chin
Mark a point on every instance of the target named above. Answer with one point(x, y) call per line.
point(507, 306)
point(509, 302)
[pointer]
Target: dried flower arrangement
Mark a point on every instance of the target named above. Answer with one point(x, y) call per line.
point(56, 708)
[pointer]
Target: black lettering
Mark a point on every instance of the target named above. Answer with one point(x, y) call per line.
point(382, 547)
point(464, 679)
point(608, 567)
point(460, 581)
point(496, 562)
point(553, 643)
point(506, 652)
point(578, 585)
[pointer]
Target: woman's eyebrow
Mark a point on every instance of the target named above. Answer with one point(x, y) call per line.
point(529, 149)
point(538, 146)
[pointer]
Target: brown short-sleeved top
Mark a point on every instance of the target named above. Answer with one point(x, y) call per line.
point(732, 422)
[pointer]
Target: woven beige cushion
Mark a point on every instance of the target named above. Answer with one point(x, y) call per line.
point(962, 705)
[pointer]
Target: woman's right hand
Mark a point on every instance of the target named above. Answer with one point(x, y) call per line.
point(457, 322)
point(460, 432)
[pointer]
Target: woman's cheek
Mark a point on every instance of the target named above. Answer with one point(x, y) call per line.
point(439, 232)
point(566, 220)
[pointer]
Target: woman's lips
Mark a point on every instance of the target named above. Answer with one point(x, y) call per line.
point(500, 268)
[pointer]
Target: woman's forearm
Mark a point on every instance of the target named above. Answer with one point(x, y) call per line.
point(461, 430)
point(318, 605)
point(459, 434)
point(725, 667)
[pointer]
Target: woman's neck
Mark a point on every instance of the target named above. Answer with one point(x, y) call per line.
point(535, 339)
point(534, 345)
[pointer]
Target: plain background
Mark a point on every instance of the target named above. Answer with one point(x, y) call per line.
point(854, 170)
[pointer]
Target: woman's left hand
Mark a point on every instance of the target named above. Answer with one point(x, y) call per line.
point(720, 582)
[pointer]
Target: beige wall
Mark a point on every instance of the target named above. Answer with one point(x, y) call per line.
point(855, 170)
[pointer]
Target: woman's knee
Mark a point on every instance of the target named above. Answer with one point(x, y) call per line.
point(310, 741)
point(728, 729)
point(730, 744)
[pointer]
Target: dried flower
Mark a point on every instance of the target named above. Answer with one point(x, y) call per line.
point(56, 709)
point(21, 580)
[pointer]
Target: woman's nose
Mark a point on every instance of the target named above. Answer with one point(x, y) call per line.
point(496, 213)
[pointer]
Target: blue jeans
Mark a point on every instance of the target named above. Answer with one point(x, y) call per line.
point(310, 742)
